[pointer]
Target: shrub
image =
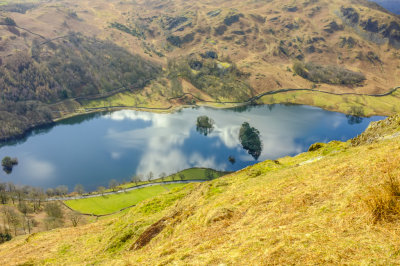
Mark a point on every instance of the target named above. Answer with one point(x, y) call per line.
point(9, 21)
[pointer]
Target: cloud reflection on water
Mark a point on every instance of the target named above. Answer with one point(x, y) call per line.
point(162, 141)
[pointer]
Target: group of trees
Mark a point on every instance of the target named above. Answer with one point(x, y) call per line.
point(327, 74)
point(217, 79)
point(21, 208)
point(58, 191)
point(249, 136)
point(18, 203)
point(81, 66)
point(250, 139)
point(76, 67)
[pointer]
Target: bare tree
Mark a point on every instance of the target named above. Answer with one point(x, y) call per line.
point(113, 184)
point(181, 176)
point(150, 176)
point(136, 179)
point(62, 190)
point(75, 218)
point(14, 219)
point(162, 176)
point(101, 190)
point(79, 189)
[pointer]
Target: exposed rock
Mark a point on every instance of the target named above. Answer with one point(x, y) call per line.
point(229, 20)
point(316, 146)
point(238, 32)
point(350, 14)
point(178, 41)
point(310, 49)
point(210, 54)
point(372, 30)
point(349, 42)
point(333, 27)
point(195, 65)
point(315, 40)
point(214, 13)
point(173, 22)
point(291, 8)
point(370, 25)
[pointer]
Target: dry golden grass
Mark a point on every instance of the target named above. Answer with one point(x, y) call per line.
point(341, 209)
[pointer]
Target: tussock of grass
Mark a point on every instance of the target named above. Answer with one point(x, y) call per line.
point(340, 209)
point(383, 201)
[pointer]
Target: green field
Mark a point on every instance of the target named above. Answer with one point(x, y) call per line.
point(368, 105)
point(111, 203)
point(187, 174)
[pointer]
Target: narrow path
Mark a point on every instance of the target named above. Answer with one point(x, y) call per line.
point(249, 101)
point(128, 189)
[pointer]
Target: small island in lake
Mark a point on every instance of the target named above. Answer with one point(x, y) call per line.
point(8, 163)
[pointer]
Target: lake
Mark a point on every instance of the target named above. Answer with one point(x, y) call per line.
point(95, 148)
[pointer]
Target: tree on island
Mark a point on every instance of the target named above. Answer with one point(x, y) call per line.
point(250, 139)
point(8, 163)
point(205, 125)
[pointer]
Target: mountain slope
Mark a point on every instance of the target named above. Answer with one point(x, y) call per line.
point(336, 204)
point(213, 50)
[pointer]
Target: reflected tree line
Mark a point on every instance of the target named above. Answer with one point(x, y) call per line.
point(249, 136)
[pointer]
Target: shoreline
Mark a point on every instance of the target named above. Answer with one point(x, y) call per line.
point(199, 103)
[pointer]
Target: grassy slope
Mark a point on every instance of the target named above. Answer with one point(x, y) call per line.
point(112, 203)
point(315, 208)
point(386, 105)
point(188, 174)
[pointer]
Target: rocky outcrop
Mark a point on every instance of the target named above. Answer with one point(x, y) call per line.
point(372, 29)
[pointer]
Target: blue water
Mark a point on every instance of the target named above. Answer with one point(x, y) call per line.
point(93, 149)
point(391, 5)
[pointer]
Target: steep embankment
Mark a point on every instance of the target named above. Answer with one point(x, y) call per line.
point(336, 204)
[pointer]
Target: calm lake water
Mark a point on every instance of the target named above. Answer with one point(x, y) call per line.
point(93, 149)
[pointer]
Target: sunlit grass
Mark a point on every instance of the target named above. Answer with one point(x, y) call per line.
point(111, 203)
point(319, 207)
point(386, 105)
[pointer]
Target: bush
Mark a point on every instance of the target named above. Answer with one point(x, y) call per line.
point(4, 237)
point(9, 21)
point(53, 210)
